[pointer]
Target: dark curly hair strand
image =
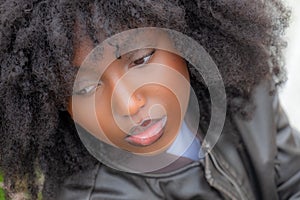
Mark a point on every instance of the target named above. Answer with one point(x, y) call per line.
point(244, 37)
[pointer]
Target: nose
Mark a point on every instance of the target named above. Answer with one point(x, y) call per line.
point(136, 102)
point(127, 103)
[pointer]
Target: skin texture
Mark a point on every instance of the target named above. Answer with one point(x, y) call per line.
point(119, 107)
point(38, 40)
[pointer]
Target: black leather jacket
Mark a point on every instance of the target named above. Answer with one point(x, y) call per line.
point(267, 167)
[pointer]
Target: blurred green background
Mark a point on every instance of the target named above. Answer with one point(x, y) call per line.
point(1, 190)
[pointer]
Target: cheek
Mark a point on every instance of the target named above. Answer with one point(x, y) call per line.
point(105, 119)
point(173, 61)
point(95, 118)
point(164, 101)
point(179, 64)
point(104, 115)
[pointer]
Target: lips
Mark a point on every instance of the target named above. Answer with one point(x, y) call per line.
point(147, 133)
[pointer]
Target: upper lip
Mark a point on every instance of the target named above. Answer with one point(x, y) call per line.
point(143, 125)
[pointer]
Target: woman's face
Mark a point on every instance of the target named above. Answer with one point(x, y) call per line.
point(139, 99)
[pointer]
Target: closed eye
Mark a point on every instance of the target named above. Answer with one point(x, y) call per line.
point(87, 90)
point(143, 59)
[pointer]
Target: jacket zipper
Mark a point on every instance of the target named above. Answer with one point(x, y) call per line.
point(220, 170)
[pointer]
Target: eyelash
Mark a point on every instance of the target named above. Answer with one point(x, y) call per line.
point(92, 88)
point(88, 90)
point(147, 56)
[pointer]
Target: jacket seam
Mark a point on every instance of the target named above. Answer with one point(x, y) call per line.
point(223, 164)
point(95, 180)
point(220, 170)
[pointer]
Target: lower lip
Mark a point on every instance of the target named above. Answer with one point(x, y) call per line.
point(148, 137)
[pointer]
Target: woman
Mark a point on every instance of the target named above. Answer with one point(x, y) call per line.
point(257, 155)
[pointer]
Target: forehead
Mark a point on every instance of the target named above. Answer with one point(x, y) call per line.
point(86, 54)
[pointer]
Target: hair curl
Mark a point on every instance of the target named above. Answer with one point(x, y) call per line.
point(244, 38)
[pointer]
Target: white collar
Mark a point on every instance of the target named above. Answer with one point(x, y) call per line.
point(186, 144)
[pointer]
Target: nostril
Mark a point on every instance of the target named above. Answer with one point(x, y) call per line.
point(136, 103)
point(127, 104)
point(140, 101)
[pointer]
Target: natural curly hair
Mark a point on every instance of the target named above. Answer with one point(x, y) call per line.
point(244, 38)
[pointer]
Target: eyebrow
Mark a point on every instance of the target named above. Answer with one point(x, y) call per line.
point(128, 55)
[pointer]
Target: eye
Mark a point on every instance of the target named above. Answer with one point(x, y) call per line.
point(86, 89)
point(143, 59)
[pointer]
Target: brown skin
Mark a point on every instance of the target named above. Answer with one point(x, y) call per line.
point(125, 97)
point(44, 34)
